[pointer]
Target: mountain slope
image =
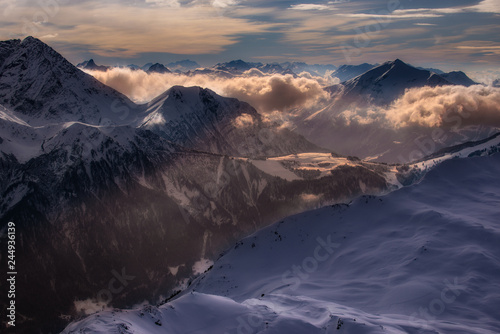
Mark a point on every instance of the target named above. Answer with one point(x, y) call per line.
point(423, 259)
point(384, 83)
point(37, 82)
point(347, 72)
point(458, 78)
point(199, 119)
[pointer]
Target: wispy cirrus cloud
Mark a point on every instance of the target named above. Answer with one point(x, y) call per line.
point(310, 6)
point(124, 30)
point(312, 31)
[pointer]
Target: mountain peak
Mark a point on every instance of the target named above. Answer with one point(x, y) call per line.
point(91, 65)
point(388, 81)
point(40, 83)
point(33, 40)
point(158, 68)
point(398, 64)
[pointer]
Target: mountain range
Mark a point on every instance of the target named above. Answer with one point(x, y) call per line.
point(97, 184)
point(234, 67)
point(103, 189)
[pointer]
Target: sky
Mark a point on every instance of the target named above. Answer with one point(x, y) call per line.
point(445, 34)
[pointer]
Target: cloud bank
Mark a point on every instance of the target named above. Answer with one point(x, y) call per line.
point(447, 106)
point(443, 106)
point(275, 95)
point(265, 92)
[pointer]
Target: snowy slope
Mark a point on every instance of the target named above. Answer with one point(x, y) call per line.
point(423, 259)
point(316, 165)
point(384, 83)
point(200, 119)
point(38, 83)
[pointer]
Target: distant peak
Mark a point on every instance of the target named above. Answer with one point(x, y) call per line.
point(159, 68)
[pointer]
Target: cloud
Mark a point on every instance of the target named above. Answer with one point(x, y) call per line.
point(310, 197)
point(486, 77)
point(243, 121)
point(224, 3)
point(168, 3)
point(89, 306)
point(263, 91)
point(447, 106)
point(310, 6)
point(394, 15)
point(201, 266)
point(484, 6)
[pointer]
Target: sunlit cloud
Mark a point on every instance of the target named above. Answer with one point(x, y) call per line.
point(168, 3)
point(485, 6)
point(224, 3)
point(266, 92)
point(310, 6)
point(434, 107)
point(394, 15)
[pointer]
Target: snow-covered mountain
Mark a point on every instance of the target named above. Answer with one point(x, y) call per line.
point(237, 67)
point(39, 84)
point(224, 125)
point(423, 259)
point(384, 83)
